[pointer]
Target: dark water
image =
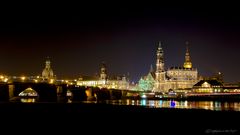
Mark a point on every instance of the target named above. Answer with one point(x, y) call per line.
point(207, 105)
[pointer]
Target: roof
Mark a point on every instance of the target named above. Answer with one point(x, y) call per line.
point(211, 82)
point(172, 68)
point(29, 92)
point(153, 74)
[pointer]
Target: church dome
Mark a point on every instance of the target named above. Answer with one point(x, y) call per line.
point(47, 73)
point(29, 92)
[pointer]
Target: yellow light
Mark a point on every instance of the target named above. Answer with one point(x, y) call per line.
point(35, 81)
point(5, 80)
point(23, 78)
point(38, 77)
point(1, 77)
point(51, 81)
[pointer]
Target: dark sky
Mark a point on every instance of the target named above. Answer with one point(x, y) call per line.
point(78, 37)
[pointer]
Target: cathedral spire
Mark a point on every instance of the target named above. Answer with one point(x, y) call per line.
point(151, 69)
point(187, 63)
point(159, 73)
point(160, 59)
point(48, 63)
point(159, 45)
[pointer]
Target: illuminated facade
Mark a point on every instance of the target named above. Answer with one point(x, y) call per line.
point(187, 64)
point(104, 81)
point(174, 78)
point(47, 73)
point(208, 86)
point(147, 83)
point(28, 95)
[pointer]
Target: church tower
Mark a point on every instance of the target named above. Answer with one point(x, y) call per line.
point(159, 62)
point(187, 64)
point(103, 72)
point(160, 71)
point(47, 71)
point(151, 69)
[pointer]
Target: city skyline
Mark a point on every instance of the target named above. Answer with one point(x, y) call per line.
point(77, 40)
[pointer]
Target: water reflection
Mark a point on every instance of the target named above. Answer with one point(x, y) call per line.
point(207, 105)
point(172, 104)
point(143, 102)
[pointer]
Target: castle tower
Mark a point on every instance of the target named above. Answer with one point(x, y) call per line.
point(159, 62)
point(151, 69)
point(160, 71)
point(187, 64)
point(47, 71)
point(103, 72)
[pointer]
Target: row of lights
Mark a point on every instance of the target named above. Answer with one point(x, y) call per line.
point(23, 78)
point(4, 79)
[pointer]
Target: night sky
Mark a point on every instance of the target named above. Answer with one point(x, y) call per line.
point(78, 37)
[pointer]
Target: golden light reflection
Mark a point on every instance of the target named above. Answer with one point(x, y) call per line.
point(28, 100)
point(207, 105)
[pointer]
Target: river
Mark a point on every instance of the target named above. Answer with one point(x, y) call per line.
point(207, 105)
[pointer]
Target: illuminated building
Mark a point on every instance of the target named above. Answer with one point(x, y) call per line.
point(4, 78)
point(187, 64)
point(147, 83)
point(174, 78)
point(208, 86)
point(104, 81)
point(47, 73)
point(103, 73)
point(28, 95)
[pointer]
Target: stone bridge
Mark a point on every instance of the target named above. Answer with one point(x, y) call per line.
point(58, 92)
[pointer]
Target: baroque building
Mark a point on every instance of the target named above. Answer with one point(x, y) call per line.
point(208, 86)
point(174, 78)
point(103, 80)
point(47, 73)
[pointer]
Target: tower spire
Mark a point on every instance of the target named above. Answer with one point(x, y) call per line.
point(48, 63)
point(159, 73)
point(103, 72)
point(159, 45)
point(160, 59)
point(151, 69)
point(187, 63)
point(187, 47)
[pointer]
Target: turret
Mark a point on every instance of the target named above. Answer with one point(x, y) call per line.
point(103, 72)
point(187, 64)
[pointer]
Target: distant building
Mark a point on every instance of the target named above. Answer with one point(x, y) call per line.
point(104, 81)
point(174, 78)
point(147, 83)
point(208, 86)
point(231, 87)
point(47, 73)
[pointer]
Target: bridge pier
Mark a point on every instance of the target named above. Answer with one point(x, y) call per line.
point(11, 89)
point(59, 93)
point(124, 93)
